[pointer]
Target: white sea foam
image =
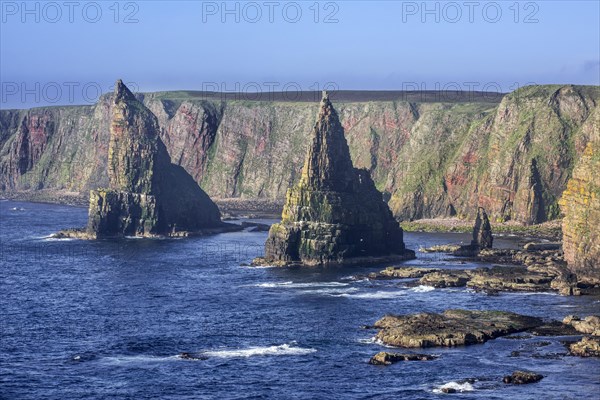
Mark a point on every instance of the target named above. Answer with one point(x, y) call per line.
point(459, 387)
point(140, 359)
point(51, 239)
point(335, 292)
point(370, 340)
point(422, 289)
point(299, 285)
point(259, 266)
point(373, 295)
point(280, 350)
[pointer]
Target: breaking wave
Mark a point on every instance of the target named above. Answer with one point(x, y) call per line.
point(280, 350)
point(459, 387)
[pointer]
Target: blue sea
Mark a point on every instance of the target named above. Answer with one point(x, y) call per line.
point(109, 319)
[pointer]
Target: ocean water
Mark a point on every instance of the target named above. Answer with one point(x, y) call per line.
point(108, 320)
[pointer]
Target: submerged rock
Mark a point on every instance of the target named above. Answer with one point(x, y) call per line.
point(451, 328)
point(522, 378)
point(191, 356)
point(334, 215)
point(387, 358)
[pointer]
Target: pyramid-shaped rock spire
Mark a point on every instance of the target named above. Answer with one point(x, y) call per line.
point(334, 215)
point(133, 145)
point(328, 165)
point(147, 194)
point(482, 231)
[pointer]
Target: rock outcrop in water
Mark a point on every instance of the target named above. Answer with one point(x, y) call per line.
point(147, 195)
point(451, 328)
point(334, 215)
point(482, 231)
point(482, 236)
point(581, 206)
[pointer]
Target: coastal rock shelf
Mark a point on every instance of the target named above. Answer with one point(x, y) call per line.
point(451, 328)
point(334, 215)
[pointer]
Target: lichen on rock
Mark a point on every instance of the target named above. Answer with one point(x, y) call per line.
point(334, 215)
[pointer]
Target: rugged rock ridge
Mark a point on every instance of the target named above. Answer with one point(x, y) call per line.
point(581, 206)
point(147, 195)
point(334, 215)
point(433, 158)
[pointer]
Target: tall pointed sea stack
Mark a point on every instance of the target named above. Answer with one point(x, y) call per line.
point(147, 195)
point(482, 231)
point(334, 215)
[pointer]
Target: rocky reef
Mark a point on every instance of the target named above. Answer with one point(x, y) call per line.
point(451, 328)
point(147, 194)
point(388, 358)
point(334, 215)
point(588, 346)
point(522, 378)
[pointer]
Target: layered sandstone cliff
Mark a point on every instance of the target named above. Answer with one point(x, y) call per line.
point(430, 156)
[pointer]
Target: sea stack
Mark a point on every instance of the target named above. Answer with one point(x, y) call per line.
point(580, 204)
point(482, 236)
point(482, 231)
point(334, 215)
point(147, 195)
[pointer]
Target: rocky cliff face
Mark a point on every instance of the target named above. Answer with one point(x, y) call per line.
point(147, 195)
point(335, 213)
point(430, 158)
point(581, 206)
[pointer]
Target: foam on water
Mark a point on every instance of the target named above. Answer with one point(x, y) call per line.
point(370, 340)
point(374, 295)
point(422, 289)
point(280, 350)
point(139, 359)
point(330, 291)
point(297, 285)
point(459, 387)
point(259, 266)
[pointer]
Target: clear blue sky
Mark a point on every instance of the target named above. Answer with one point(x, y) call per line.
point(373, 45)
